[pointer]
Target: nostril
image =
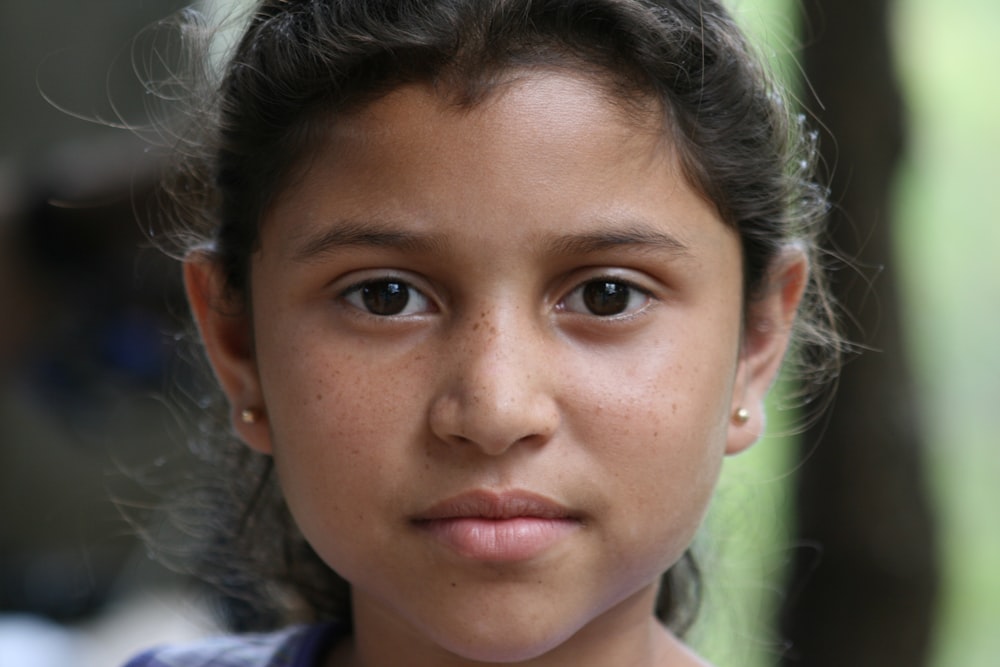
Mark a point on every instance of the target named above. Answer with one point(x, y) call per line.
point(491, 394)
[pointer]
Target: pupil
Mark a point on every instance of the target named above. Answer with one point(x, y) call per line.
point(385, 298)
point(606, 298)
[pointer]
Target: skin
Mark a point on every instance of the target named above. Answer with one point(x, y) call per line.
point(497, 375)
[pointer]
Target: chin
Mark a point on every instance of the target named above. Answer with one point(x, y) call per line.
point(500, 644)
point(502, 652)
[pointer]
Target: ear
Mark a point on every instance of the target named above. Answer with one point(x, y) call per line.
point(767, 332)
point(226, 329)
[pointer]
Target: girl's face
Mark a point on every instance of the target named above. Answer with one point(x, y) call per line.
point(498, 351)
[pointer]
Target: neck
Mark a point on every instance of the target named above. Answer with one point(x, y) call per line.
point(619, 637)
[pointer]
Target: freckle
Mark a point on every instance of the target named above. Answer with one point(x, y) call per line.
point(475, 327)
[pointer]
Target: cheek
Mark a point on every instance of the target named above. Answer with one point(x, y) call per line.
point(341, 435)
point(659, 400)
point(656, 425)
point(333, 394)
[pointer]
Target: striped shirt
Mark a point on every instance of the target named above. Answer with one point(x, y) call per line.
point(298, 646)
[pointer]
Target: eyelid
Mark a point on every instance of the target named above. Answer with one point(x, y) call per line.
point(358, 280)
point(608, 276)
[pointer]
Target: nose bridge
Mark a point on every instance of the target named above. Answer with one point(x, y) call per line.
point(497, 361)
point(497, 390)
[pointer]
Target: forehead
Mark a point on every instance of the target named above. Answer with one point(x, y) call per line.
point(546, 152)
point(532, 125)
point(512, 103)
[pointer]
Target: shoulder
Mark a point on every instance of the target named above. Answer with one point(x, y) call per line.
point(298, 646)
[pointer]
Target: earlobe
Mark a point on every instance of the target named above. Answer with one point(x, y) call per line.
point(226, 331)
point(770, 318)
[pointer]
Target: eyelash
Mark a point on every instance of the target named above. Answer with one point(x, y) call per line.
point(398, 296)
point(357, 297)
point(623, 287)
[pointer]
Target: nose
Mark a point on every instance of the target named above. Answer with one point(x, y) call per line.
point(497, 389)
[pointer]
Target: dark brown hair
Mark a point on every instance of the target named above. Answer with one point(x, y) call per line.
point(303, 62)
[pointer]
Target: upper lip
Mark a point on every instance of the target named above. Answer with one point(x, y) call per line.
point(486, 504)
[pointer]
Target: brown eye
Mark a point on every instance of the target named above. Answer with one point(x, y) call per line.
point(386, 298)
point(606, 298)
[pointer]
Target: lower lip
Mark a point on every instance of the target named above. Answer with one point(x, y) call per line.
point(500, 540)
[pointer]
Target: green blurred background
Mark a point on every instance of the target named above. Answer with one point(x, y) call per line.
point(947, 254)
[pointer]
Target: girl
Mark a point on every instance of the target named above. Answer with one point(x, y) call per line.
point(491, 287)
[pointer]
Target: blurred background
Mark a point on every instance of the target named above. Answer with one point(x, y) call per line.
point(870, 538)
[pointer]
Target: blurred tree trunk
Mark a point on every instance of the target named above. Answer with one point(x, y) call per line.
point(865, 595)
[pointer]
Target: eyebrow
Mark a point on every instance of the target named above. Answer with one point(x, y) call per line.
point(345, 234)
point(638, 236)
point(374, 234)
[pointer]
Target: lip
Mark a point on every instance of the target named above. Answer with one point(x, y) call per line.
point(498, 527)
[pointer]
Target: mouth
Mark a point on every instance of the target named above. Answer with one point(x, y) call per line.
point(498, 527)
